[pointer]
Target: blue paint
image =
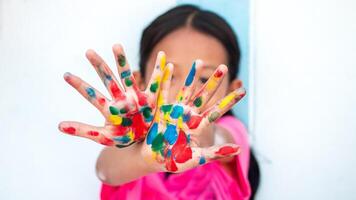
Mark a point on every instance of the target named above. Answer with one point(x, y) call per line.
point(149, 119)
point(202, 160)
point(169, 153)
point(90, 92)
point(124, 139)
point(152, 133)
point(171, 135)
point(186, 117)
point(177, 112)
point(107, 76)
point(188, 138)
point(191, 75)
point(125, 74)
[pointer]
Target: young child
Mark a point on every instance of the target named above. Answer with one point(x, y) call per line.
point(178, 122)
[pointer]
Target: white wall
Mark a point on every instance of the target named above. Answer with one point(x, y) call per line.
point(39, 41)
point(305, 80)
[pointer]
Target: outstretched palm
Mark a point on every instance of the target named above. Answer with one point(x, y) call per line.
point(171, 143)
point(129, 113)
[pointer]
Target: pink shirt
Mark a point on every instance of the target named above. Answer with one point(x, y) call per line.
point(209, 181)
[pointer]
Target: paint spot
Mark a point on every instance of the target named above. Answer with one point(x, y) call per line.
point(69, 130)
point(190, 76)
point(146, 111)
point(123, 140)
point(177, 111)
point(152, 133)
point(126, 122)
point(157, 143)
point(198, 102)
point(171, 135)
point(114, 110)
point(125, 74)
point(218, 73)
point(154, 87)
point(128, 82)
point(90, 92)
point(213, 116)
point(123, 111)
point(163, 62)
point(227, 100)
point(202, 161)
point(93, 133)
point(181, 151)
point(169, 153)
point(171, 165)
point(121, 60)
point(115, 119)
point(227, 150)
point(106, 141)
point(102, 101)
point(115, 91)
point(186, 117)
point(166, 108)
point(142, 98)
point(194, 122)
point(139, 127)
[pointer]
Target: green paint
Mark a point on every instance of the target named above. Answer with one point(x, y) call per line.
point(123, 111)
point(154, 87)
point(213, 116)
point(126, 122)
point(114, 110)
point(146, 111)
point(128, 82)
point(166, 108)
point(121, 60)
point(157, 143)
point(198, 101)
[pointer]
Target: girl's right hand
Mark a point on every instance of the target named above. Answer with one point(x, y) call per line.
point(129, 113)
point(172, 144)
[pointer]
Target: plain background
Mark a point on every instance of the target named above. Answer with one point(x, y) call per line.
point(302, 91)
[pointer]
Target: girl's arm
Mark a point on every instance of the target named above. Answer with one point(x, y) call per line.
point(118, 166)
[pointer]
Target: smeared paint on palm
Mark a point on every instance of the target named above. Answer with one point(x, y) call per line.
point(171, 142)
point(129, 113)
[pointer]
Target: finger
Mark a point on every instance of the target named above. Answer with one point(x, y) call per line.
point(202, 156)
point(225, 104)
point(163, 97)
point(87, 91)
point(105, 75)
point(208, 89)
point(97, 134)
point(154, 84)
point(187, 90)
point(123, 67)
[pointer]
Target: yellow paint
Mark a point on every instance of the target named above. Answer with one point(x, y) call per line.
point(180, 96)
point(166, 74)
point(160, 99)
point(163, 62)
point(131, 135)
point(180, 123)
point(227, 100)
point(212, 84)
point(115, 119)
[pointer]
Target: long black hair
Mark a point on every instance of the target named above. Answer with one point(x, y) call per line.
point(205, 22)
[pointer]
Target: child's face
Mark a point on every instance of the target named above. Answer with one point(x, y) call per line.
point(182, 47)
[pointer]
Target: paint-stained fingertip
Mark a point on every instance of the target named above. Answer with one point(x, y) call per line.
point(66, 128)
point(228, 150)
point(241, 92)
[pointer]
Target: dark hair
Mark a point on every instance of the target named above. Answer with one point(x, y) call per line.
point(205, 22)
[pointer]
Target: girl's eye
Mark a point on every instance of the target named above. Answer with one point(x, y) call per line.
point(203, 80)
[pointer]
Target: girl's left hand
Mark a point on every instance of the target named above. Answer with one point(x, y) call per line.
point(172, 142)
point(129, 113)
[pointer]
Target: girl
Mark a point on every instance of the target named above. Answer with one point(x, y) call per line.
point(179, 129)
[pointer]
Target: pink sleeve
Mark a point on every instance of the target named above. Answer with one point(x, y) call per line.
point(239, 133)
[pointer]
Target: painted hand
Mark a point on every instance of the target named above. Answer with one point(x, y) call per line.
point(171, 143)
point(129, 113)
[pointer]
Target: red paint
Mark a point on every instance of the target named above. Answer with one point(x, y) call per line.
point(106, 141)
point(102, 101)
point(119, 130)
point(142, 99)
point(115, 91)
point(139, 127)
point(227, 150)
point(194, 121)
point(170, 165)
point(69, 130)
point(93, 133)
point(218, 73)
point(181, 150)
